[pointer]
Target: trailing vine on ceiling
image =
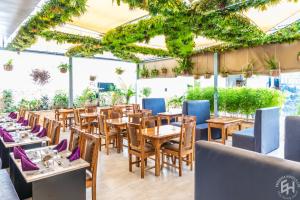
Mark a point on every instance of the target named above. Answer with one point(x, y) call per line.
point(180, 21)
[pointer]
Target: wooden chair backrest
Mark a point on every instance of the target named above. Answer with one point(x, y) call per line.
point(77, 117)
point(54, 132)
point(47, 124)
point(75, 137)
point(187, 136)
point(102, 125)
point(135, 118)
point(135, 138)
point(90, 109)
point(106, 112)
point(22, 112)
point(89, 148)
point(33, 119)
point(150, 121)
point(57, 114)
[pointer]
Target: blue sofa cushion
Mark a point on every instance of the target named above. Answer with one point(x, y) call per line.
point(200, 109)
point(292, 138)
point(244, 139)
point(157, 105)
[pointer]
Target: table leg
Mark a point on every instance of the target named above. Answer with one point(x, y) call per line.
point(209, 132)
point(63, 123)
point(156, 145)
point(223, 134)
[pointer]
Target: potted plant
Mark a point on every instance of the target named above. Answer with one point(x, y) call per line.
point(144, 72)
point(119, 71)
point(63, 67)
point(224, 72)
point(9, 65)
point(207, 75)
point(248, 71)
point(128, 93)
point(40, 77)
point(92, 77)
point(273, 66)
point(146, 92)
point(177, 71)
point(164, 71)
point(197, 76)
point(186, 66)
point(60, 100)
point(154, 73)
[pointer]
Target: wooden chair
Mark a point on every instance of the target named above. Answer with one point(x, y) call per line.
point(106, 112)
point(136, 108)
point(116, 113)
point(47, 124)
point(54, 132)
point(89, 145)
point(105, 133)
point(184, 119)
point(151, 121)
point(22, 112)
point(33, 119)
point(75, 137)
point(91, 109)
point(182, 150)
point(78, 121)
point(135, 118)
point(138, 147)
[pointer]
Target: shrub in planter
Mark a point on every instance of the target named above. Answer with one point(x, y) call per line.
point(119, 71)
point(154, 73)
point(164, 71)
point(273, 66)
point(60, 100)
point(63, 68)
point(144, 72)
point(8, 66)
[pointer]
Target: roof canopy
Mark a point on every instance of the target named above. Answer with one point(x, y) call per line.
point(174, 28)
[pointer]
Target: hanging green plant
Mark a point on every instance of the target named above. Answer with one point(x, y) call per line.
point(154, 73)
point(186, 66)
point(9, 65)
point(144, 72)
point(177, 71)
point(119, 71)
point(273, 65)
point(63, 67)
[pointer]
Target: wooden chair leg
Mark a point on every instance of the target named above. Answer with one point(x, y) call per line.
point(137, 159)
point(142, 167)
point(146, 162)
point(191, 161)
point(162, 160)
point(94, 189)
point(107, 146)
point(180, 166)
point(130, 162)
point(100, 141)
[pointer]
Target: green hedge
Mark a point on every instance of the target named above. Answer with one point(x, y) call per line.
point(238, 100)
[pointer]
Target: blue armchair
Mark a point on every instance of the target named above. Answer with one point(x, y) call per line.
point(292, 138)
point(264, 137)
point(157, 105)
point(200, 109)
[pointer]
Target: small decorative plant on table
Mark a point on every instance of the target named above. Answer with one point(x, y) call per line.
point(273, 66)
point(9, 65)
point(63, 68)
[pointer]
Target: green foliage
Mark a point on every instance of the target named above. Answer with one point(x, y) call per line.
point(146, 92)
point(64, 66)
point(8, 101)
point(45, 102)
point(9, 62)
point(186, 66)
point(238, 100)
point(272, 63)
point(144, 72)
point(88, 96)
point(117, 97)
point(119, 70)
point(176, 102)
point(128, 93)
point(154, 73)
point(60, 100)
point(177, 70)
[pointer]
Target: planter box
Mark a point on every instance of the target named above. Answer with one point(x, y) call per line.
point(275, 73)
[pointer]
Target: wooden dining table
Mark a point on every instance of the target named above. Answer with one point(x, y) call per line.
point(64, 115)
point(24, 139)
point(60, 180)
point(119, 124)
point(89, 118)
point(158, 136)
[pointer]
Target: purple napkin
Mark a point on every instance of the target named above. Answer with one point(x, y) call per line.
point(11, 114)
point(7, 137)
point(25, 123)
point(28, 165)
point(20, 120)
point(43, 133)
point(61, 146)
point(2, 130)
point(36, 129)
point(75, 155)
point(14, 116)
point(19, 152)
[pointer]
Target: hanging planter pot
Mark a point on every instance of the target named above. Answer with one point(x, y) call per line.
point(119, 71)
point(197, 76)
point(248, 74)
point(224, 74)
point(164, 71)
point(8, 66)
point(92, 78)
point(207, 75)
point(275, 72)
point(63, 68)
